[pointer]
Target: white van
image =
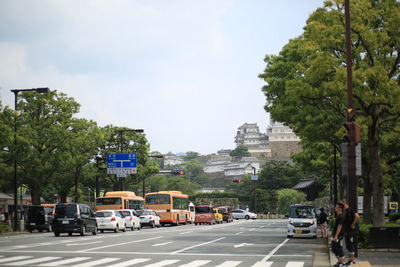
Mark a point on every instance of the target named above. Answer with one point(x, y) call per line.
point(192, 213)
point(302, 221)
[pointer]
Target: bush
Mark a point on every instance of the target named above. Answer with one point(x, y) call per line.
point(5, 228)
point(363, 236)
point(393, 217)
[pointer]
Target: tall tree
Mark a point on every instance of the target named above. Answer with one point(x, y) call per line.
point(306, 83)
point(240, 151)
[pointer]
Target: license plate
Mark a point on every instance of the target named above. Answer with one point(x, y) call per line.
point(33, 223)
point(65, 222)
point(298, 231)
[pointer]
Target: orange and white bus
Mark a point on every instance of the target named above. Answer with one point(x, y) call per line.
point(172, 206)
point(118, 200)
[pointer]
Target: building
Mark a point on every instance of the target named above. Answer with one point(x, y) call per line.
point(172, 160)
point(247, 165)
point(214, 166)
point(283, 142)
point(256, 142)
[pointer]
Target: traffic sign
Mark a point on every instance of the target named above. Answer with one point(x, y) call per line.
point(254, 177)
point(121, 161)
point(121, 170)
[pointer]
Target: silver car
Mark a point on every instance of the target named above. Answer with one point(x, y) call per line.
point(243, 214)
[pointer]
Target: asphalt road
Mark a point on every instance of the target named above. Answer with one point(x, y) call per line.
point(241, 243)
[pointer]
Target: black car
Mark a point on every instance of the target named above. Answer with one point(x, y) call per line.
point(74, 218)
point(38, 218)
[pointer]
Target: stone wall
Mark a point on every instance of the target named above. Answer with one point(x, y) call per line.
point(284, 149)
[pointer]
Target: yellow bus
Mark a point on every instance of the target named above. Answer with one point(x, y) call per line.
point(118, 200)
point(172, 206)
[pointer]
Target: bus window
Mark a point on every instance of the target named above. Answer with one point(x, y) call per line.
point(135, 204)
point(180, 203)
point(158, 199)
point(109, 201)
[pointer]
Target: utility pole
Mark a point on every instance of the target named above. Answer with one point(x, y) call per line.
point(254, 189)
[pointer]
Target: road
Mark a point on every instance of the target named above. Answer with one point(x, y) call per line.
point(241, 243)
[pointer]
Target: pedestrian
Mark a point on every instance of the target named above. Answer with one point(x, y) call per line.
point(338, 233)
point(323, 223)
point(351, 231)
point(2, 216)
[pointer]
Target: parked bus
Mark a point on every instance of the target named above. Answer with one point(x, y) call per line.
point(172, 206)
point(118, 200)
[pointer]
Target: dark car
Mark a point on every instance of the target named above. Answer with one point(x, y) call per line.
point(74, 218)
point(226, 212)
point(38, 218)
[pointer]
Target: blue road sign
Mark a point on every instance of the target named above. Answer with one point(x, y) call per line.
point(121, 161)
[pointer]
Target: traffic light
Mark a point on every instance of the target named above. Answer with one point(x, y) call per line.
point(177, 171)
point(353, 132)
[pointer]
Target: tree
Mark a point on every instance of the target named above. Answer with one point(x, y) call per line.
point(6, 140)
point(306, 86)
point(277, 175)
point(240, 151)
point(287, 197)
point(191, 155)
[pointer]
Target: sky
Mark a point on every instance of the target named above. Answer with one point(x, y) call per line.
point(185, 71)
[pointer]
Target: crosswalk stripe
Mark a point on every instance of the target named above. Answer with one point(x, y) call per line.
point(162, 263)
point(229, 264)
point(31, 261)
point(295, 264)
point(195, 263)
point(128, 263)
point(262, 264)
point(97, 262)
point(15, 258)
point(63, 262)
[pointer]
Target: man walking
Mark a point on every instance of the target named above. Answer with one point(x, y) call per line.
point(338, 232)
point(351, 231)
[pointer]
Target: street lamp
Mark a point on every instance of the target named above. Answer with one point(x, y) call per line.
point(16, 91)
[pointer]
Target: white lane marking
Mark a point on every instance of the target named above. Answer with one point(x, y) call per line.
point(239, 233)
point(261, 227)
point(295, 264)
point(262, 264)
point(195, 246)
point(32, 261)
point(162, 263)
point(84, 244)
point(252, 229)
point(195, 263)
point(162, 244)
point(15, 258)
point(229, 264)
point(97, 262)
point(64, 262)
point(266, 258)
point(243, 245)
point(186, 232)
point(128, 263)
point(120, 244)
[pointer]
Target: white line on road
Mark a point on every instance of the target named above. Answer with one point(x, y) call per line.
point(295, 264)
point(195, 246)
point(120, 244)
point(128, 263)
point(65, 262)
point(84, 244)
point(242, 245)
point(266, 258)
point(162, 244)
point(32, 261)
point(252, 229)
point(162, 263)
point(239, 233)
point(262, 264)
point(229, 264)
point(186, 232)
point(95, 263)
point(195, 263)
point(15, 258)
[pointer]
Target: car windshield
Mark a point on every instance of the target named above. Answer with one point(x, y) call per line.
point(223, 210)
point(125, 213)
point(69, 211)
point(143, 212)
point(302, 212)
point(203, 209)
point(104, 214)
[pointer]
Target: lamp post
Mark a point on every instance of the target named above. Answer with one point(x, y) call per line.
point(16, 91)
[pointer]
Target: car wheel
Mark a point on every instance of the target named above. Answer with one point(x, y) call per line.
point(124, 230)
point(83, 231)
point(153, 224)
point(56, 234)
point(247, 217)
point(159, 225)
point(41, 230)
point(94, 230)
point(140, 227)
point(133, 228)
point(116, 229)
point(30, 230)
point(101, 231)
point(70, 234)
point(195, 223)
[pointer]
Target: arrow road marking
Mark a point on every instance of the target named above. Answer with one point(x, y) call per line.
point(161, 244)
point(83, 244)
point(243, 244)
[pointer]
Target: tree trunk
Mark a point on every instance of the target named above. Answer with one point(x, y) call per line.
point(367, 209)
point(378, 218)
point(76, 185)
point(35, 194)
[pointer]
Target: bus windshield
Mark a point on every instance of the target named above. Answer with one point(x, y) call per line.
point(302, 212)
point(109, 201)
point(158, 199)
point(203, 209)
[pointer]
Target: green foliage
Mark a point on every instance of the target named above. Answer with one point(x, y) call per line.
point(240, 151)
point(363, 236)
point(287, 197)
point(5, 228)
point(266, 201)
point(393, 217)
point(277, 175)
point(215, 195)
point(190, 155)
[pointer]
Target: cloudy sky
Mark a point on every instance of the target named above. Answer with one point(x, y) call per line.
point(185, 71)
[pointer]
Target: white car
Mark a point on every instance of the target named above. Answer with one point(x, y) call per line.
point(243, 214)
point(132, 220)
point(149, 217)
point(110, 220)
point(302, 221)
